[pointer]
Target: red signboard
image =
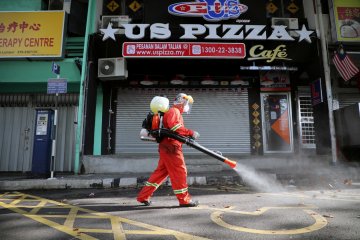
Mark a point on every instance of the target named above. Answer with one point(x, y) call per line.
point(183, 50)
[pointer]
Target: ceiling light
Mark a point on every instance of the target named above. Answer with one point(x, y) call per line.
point(208, 81)
point(269, 68)
point(238, 81)
point(147, 81)
point(178, 80)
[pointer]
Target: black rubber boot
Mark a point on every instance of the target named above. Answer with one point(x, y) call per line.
point(190, 204)
point(146, 203)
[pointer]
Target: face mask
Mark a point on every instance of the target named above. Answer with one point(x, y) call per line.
point(186, 108)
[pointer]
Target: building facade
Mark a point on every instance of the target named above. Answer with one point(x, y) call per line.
point(345, 36)
point(250, 66)
point(33, 35)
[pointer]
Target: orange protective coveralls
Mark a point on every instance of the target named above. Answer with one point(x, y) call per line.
point(171, 161)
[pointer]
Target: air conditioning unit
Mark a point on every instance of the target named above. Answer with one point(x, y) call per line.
point(60, 5)
point(290, 23)
point(116, 21)
point(112, 69)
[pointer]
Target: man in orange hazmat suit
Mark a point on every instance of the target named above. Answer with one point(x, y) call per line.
point(171, 161)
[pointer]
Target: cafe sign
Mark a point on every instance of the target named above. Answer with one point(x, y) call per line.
point(31, 34)
point(258, 52)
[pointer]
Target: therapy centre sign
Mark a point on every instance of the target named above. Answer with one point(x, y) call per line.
point(31, 34)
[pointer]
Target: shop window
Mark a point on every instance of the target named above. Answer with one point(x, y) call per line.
point(284, 8)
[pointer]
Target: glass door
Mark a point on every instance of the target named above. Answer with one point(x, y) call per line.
point(276, 120)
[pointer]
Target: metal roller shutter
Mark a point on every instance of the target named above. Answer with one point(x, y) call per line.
point(221, 116)
point(17, 123)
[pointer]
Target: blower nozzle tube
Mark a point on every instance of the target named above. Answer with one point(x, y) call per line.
point(231, 163)
point(192, 143)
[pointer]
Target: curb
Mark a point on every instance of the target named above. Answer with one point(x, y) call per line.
point(63, 183)
point(121, 182)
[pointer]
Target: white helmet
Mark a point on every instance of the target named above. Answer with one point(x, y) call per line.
point(185, 100)
point(159, 104)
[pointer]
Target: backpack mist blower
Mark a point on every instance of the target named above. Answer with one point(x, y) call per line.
point(154, 132)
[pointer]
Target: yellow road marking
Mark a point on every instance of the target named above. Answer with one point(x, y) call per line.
point(116, 222)
point(60, 227)
point(254, 213)
point(216, 217)
point(320, 222)
point(69, 228)
point(142, 232)
point(78, 216)
point(16, 201)
point(38, 207)
point(94, 230)
point(117, 229)
point(49, 223)
point(70, 220)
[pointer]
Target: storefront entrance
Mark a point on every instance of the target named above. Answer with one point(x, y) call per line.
point(276, 119)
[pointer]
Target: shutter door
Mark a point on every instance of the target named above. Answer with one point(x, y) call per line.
point(16, 138)
point(221, 116)
point(17, 123)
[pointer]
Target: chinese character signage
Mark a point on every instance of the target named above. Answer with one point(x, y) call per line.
point(31, 34)
point(347, 20)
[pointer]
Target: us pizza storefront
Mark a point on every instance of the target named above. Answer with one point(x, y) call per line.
point(246, 75)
